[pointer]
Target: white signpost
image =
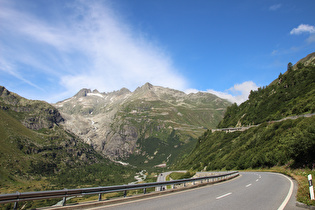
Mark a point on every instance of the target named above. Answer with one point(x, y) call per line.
point(310, 183)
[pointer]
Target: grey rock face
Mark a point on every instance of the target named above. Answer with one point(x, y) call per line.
point(114, 122)
point(32, 113)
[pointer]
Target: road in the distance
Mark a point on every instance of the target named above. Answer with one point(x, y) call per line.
point(162, 178)
point(252, 190)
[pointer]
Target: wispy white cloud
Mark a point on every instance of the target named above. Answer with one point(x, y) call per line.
point(275, 7)
point(236, 94)
point(311, 39)
point(9, 69)
point(91, 47)
point(303, 28)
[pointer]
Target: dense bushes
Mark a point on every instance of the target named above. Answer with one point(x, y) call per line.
point(291, 94)
point(288, 142)
point(100, 174)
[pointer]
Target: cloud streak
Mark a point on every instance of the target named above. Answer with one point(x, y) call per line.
point(275, 7)
point(303, 28)
point(236, 94)
point(92, 47)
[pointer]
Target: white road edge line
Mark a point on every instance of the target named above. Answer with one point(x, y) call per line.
point(248, 185)
point(286, 200)
point(222, 196)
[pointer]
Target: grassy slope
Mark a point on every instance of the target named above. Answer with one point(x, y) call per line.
point(287, 142)
point(13, 161)
point(167, 129)
point(292, 94)
point(50, 157)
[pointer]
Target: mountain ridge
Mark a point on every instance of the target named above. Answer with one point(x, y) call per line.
point(38, 153)
point(34, 114)
point(113, 123)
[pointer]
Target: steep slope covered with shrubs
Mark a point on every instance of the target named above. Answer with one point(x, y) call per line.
point(288, 142)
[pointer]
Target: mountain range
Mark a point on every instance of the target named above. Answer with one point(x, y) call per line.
point(149, 126)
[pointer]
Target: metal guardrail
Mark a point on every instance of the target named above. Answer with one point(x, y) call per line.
point(40, 195)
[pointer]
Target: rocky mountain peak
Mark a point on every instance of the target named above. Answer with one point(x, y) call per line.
point(83, 92)
point(124, 91)
point(308, 60)
point(33, 114)
point(147, 92)
point(4, 91)
point(146, 87)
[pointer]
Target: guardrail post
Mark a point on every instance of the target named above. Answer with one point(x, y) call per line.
point(16, 204)
point(173, 186)
point(64, 200)
point(144, 190)
point(125, 193)
point(100, 197)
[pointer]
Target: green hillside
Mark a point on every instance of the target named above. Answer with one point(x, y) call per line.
point(291, 94)
point(165, 130)
point(47, 156)
point(288, 142)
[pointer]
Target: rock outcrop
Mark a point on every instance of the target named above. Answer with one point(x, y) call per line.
point(31, 113)
point(118, 123)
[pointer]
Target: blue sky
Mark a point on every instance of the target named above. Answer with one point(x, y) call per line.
point(50, 49)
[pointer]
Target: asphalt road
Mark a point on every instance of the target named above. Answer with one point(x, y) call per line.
point(252, 190)
point(162, 178)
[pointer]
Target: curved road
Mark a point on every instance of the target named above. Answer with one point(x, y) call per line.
point(252, 190)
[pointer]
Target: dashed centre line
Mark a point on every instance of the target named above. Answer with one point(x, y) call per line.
point(257, 180)
point(248, 185)
point(222, 196)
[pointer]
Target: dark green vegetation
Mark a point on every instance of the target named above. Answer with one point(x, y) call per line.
point(291, 94)
point(157, 150)
point(289, 142)
point(47, 156)
point(179, 175)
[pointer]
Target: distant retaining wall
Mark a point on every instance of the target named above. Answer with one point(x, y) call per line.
point(233, 129)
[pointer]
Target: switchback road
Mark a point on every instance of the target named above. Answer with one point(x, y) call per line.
point(252, 190)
